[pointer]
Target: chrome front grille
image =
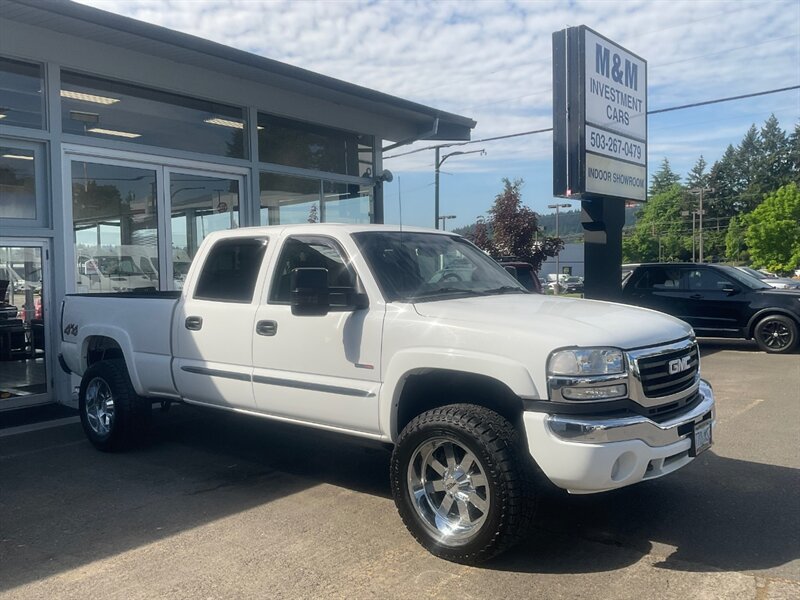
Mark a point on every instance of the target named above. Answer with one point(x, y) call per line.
point(666, 373)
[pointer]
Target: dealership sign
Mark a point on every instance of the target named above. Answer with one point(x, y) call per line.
point(599, 118)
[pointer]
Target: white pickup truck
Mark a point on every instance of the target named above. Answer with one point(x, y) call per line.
point(414, 338)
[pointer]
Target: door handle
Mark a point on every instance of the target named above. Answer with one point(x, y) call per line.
point(267, 328)
point(696, 296)
point(194, 323)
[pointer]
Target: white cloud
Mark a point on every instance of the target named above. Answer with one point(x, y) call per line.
point(491, 60)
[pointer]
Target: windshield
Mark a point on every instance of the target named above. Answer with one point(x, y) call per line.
point(753, 272)
point(117, 265)
point(180, 269)
point(745, 279)
point(429, 266)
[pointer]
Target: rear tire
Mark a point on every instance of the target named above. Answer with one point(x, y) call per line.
point(776, 334)
point(459, 483)
point(113, 416)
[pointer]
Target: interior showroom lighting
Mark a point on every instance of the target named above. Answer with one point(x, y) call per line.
point(122, 134)
point(88, 97)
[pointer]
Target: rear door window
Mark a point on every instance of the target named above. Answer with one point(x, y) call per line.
point(230, 272)
point(659, 278)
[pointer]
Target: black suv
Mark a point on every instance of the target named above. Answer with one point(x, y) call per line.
point(717, 301)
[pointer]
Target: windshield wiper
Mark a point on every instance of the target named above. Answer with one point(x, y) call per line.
point(504, 289)
point(446, 291)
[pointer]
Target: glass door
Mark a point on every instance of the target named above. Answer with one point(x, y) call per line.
point(200, 203)
point(24, 320)
point(115, 226)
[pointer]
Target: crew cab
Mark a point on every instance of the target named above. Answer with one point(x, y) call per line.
point(474, 381)
point(718, 301)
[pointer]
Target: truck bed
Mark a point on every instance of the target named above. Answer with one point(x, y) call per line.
point(141, 323)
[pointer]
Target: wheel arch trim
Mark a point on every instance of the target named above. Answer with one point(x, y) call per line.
point(514, 375)
point(117, 335)
point(767, 312)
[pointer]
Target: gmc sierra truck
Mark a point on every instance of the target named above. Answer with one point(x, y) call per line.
point(414, 338)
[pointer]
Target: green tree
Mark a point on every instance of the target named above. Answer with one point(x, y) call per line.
point(794, 155)
point(698, 177)
point(514, 229)
point(660, 232)
point(748, 161)
point(723, 180)
point(663, 179)
point(773, 231)
point(735, 246)
point(773, 164)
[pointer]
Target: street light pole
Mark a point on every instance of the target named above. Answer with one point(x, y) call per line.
point(558, 262)
point(439, 162)
point(444, 218)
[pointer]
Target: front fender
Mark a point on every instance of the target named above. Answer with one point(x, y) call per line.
point(413, 361)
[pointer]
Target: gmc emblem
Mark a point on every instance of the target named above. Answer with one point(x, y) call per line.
point(679, 365)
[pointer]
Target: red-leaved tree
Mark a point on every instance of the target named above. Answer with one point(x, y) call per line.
point(511, 229)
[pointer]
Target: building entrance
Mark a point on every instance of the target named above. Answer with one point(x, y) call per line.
point(24, 315)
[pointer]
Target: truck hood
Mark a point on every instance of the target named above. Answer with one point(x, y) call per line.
point(565, 321)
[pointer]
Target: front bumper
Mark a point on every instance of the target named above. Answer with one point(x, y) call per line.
point(585, 455)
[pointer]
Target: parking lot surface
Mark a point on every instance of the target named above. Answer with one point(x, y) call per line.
point(219, 506)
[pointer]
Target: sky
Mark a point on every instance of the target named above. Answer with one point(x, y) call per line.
point(491, 61)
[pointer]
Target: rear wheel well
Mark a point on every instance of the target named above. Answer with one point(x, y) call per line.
point(100, 347)
point(432, 389)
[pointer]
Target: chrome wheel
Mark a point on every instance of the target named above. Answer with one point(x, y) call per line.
point(775, 335)
point(449, 490)
point(99, 406)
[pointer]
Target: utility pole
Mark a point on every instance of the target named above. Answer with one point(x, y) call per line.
point(686, 213)
point(558, 262)
point(439, 162)
point(444, 218)
point(700, 212)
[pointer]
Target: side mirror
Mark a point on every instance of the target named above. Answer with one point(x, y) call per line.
point(309, 292)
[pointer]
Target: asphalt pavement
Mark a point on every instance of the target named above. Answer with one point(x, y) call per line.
point(220, 506)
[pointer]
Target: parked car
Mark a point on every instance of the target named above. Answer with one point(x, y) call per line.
point(718, 301)
point(524, 273)
point(475, 382)
point(771, 279)
point(572, 285)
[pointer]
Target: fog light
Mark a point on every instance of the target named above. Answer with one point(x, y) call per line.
point(603, 392)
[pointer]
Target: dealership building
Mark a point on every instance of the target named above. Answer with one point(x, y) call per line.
point(122, 144)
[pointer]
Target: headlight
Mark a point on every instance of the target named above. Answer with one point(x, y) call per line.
point(587, 361)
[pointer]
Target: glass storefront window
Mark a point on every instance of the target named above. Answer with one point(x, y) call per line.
point(308, 146)
point(17, 183)
point(111, 110)
point(346, 203)
point(286, 199)
point(200, 205)
point(21, 94)
point(115, 218)
point(23, 368)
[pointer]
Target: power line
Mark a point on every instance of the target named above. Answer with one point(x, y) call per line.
point(649, 112)
point(728, 99)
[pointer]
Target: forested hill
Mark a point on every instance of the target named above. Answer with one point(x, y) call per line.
point(569, 224)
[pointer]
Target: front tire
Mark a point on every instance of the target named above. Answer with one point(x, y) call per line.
point(113, 416)
point(776, 334)
point(459, 484)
